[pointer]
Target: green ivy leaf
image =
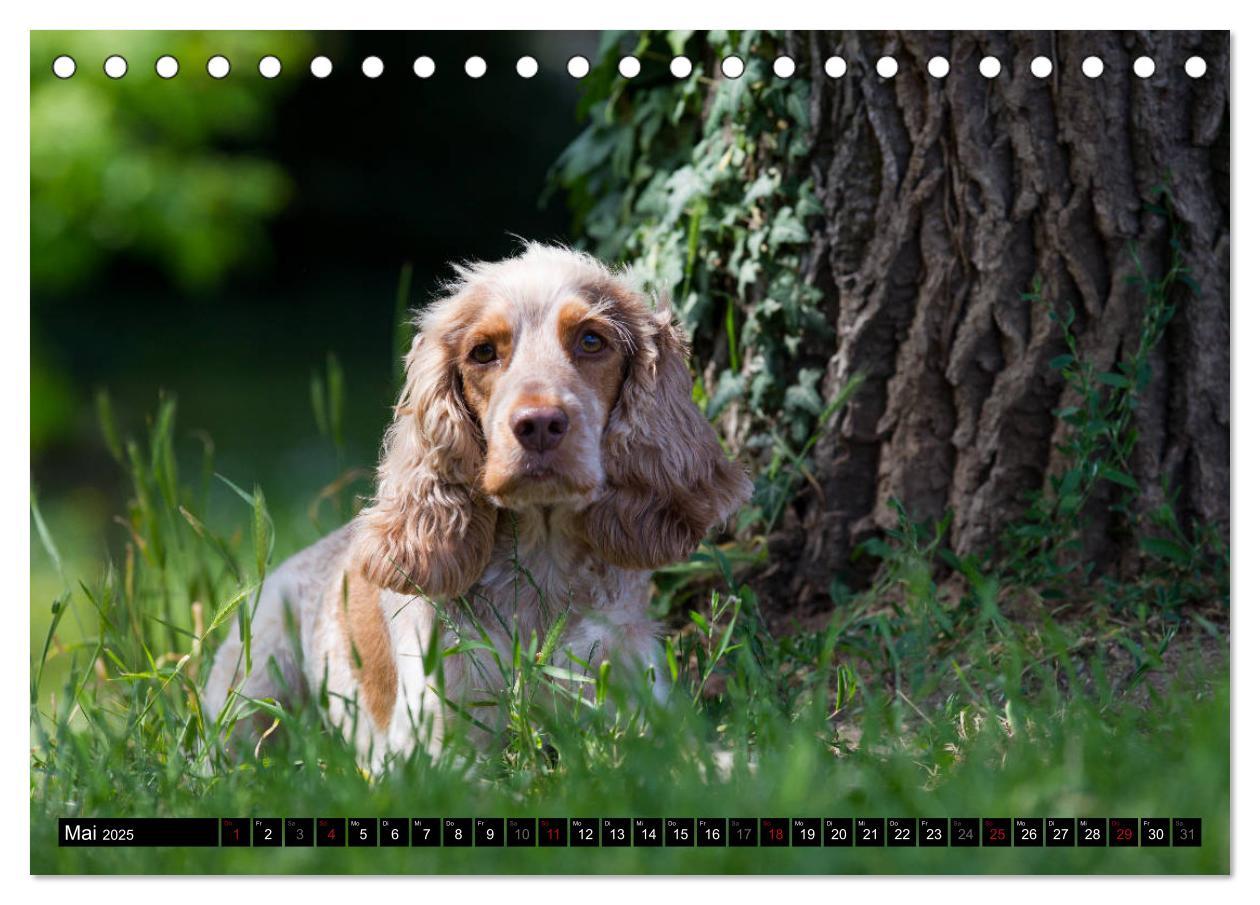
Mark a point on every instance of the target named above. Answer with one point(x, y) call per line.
point(787, 229)
point(677, 41)
point(1116, 476)
point(1166, 550)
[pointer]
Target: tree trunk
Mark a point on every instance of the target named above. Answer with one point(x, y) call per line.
point(945, 201)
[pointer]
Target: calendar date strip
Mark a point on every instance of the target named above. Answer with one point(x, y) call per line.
point(636, 832)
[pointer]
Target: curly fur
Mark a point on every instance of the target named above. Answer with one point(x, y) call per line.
point(461, 504)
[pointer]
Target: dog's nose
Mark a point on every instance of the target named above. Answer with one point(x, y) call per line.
point(540, 429)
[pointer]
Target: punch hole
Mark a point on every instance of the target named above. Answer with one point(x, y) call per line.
point(784, 67)
point(373, 67)
point(64, 66)
point(474, 67)
point(579, 66)
point(424, 67)
point(1196, 67)
point(680, 67)
point(1092, 67)
point(167, 67)
point(732, 67)
point(218, 67)
point(269, 67)
point(886, 67)
point(1144, 67)
point(321, 67)
point(835, 67)
point(990, 67)
point(115, 67)
point(938, 67)
point(527, 67)
point(1041, 67)
point(629, 67)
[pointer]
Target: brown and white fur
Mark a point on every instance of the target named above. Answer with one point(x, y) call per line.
point(546, 420)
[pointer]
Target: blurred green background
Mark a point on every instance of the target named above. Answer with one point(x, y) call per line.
point(217, 240)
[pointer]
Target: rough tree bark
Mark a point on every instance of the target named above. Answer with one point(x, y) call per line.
point(944, 199)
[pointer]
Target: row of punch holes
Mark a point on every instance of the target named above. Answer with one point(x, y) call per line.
point(269, 67)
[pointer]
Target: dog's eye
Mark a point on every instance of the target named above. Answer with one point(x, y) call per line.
point(482, 353)
point(591, 342)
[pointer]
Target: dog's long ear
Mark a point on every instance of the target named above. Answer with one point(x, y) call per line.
point(668, 481)
point(429, 529)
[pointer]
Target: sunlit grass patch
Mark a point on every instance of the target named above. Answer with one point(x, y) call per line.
point(922, 696)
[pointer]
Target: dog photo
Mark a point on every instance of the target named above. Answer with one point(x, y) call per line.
point(731, 452)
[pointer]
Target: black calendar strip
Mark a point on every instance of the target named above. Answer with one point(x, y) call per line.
point(636, 832)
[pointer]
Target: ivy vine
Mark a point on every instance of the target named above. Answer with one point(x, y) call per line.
point(699, 184)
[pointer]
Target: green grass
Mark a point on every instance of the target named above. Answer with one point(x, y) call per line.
point(943, 690)
point(1016, 683)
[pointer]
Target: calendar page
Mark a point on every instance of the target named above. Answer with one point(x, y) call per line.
point(636, 452)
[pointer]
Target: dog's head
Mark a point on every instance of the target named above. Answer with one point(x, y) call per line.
point(542, 380)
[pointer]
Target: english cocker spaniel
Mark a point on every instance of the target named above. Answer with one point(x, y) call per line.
point(545, 455)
